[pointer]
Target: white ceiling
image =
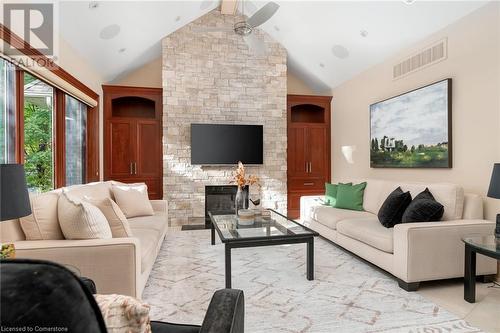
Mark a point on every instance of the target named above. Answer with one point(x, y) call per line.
point(307, 29)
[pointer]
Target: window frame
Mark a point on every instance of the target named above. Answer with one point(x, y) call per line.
point(59, 132)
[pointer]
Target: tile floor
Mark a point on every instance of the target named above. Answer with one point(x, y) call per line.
point(484, 314)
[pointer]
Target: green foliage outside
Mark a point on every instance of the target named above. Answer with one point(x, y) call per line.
point(402, 156)
point(38, 147)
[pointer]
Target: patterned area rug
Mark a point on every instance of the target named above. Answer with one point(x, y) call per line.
point(347, 294)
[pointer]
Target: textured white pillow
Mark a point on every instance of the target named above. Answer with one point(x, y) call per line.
point(124, 313)
point(133, 199)
point(42, 223)
point(80, 219)
point(116, 219)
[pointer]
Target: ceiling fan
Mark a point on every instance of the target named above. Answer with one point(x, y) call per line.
point(246, 27)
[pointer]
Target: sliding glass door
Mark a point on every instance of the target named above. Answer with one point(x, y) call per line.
point(7, 112)
point(75, 132)
point(38, 134)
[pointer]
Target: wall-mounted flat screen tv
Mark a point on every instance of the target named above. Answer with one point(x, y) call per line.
point(226, 144)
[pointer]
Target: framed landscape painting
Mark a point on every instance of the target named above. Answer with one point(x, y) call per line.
point(413, 130)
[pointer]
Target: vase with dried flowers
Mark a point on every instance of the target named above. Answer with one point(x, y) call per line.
point(241, 180)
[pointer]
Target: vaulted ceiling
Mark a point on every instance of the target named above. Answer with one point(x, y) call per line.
point(328, 42)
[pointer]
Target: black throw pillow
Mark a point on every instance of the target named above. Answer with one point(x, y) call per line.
point(424, 208)
point(393, 208)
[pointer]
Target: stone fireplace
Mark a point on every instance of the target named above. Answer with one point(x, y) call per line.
point(214, 78)
point(220, 199)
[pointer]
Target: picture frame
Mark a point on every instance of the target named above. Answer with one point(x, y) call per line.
point(413, 129)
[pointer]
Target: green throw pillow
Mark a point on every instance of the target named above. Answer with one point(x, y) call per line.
point(350, 196)
point(331, 193)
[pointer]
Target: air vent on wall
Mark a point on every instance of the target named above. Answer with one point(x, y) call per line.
point(433, 54)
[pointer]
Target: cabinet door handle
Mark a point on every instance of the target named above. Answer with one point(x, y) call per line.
point(135, 168)
point(131, 168)
point(309, 184)
point(310, 167)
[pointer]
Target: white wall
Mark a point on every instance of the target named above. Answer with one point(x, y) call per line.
point(474, 65)
point(77, 66)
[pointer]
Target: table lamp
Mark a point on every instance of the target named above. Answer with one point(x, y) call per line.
point(14, 198)
point(494, 192)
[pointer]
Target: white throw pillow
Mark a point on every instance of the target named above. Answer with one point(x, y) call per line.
point(124, 313)
point(80, 219)
point(133, 200)
point(117, 221)
point(42, 223)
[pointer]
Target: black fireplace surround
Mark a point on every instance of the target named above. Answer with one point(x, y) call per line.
point(220, 199)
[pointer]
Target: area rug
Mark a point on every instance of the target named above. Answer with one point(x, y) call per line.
point(347, 295)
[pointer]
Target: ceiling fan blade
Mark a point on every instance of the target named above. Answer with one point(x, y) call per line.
point(263, 14)
point(255, 44)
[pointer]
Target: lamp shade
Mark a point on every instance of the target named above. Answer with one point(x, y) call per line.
point(14, 200)
point(494, 190)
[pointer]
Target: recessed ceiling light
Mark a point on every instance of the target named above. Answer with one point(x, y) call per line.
point(340, 51)
point(177, 18)
point(276, 28)
point(409, 2)
point(122, 50)
point(93, 5)
point(322, 65)
point(111, 31)
point(363, 33)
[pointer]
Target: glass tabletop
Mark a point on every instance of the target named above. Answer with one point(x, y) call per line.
point(486, 243)
point(265, 227)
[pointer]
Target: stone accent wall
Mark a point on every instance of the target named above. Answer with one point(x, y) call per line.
point(213, 78)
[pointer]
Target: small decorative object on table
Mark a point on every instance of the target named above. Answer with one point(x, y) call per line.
point(14, 199)
point(246, 217)
point(242, 180)
point(494, 192)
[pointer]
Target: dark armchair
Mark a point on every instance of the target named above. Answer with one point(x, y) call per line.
point(43, 294)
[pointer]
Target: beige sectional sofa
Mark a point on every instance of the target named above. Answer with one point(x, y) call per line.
point(117, 265)
point(412, 252)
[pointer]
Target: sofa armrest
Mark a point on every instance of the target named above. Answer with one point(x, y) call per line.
point(434, 250)
point(114, 264)
point(226, 312)
point(307, 204)
point(160, 205)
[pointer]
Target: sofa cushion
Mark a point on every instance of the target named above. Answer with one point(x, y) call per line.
point(117, 221)
point(350, 196)
point(42, 223)
point(391, 212)
point(148, 239)
point(451, 196)
point(98, 190)
point(424, 208)
point(368, 231)
point(331, 193)
point(133, 199)
point(157, 222)
point(80, 219)
point(329, 216)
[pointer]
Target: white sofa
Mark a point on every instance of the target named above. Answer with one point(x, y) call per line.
point(117, 265)
point(412, 252)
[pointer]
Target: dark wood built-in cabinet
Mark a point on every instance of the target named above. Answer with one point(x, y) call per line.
point(308, 148)
point(133, 136)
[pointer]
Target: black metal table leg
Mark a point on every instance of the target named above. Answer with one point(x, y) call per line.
point(470, 274)
point(212, 232)
point(310, 258)
point(228, 266)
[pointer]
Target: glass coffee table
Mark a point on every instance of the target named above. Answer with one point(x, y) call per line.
point(275, 229)
point(485, 245)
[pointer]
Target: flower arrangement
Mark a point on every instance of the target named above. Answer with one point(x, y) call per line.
point(7, 251)
point(241, 179)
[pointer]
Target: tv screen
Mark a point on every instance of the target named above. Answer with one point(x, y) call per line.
point(226, 144)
